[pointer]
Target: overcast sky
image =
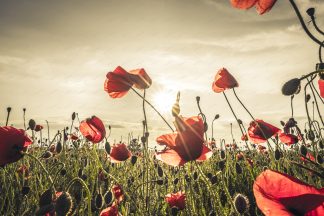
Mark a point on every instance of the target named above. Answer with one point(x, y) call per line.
point(54, 56)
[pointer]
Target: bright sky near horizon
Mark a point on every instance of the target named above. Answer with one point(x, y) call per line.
point(54, 56)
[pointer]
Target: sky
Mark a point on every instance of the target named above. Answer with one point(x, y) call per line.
point(54, 57)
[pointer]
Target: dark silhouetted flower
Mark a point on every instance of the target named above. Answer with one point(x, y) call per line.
point(93, 129)
point(176, 200)
point(187, 144)
point(280, 194)
point(259, 131)
point(119, 153)
point(224, 80)
point(12, 142)
point(262, 6)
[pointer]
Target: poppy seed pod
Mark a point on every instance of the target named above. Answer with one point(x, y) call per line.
point(133, 160)
point(99, 201)
point(160, 171)
point(311, 12)
point(159, 182)
point(175, 109)
point(107, 147)
point(303, 150)
point(73, 116)
point(241, 203)
point(222, 154)
point(58, 147)
point(46, 198)
point(319, 159)
point(32, 124)
point(277, 154)
point(63, 204)
point(291, 87)
point(108, 197)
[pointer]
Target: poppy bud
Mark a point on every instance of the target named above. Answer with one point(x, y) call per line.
point(291, 87)
point(187, 178)
point(8, 109)
point(80, 173)
point(277, 154)
point(108, 197)
point(311, 135)
point(84, 177)
point(222, 154)
point(107, 147)
point(32, 124)
point(198, 99)
point(47, 155)
point(99, 201)
point(308, 97)
point(205, 126)
point(216, 116)
point(221, 165)
point(320, 144)
point(160, 171)
point(25, 190)
point(175, 181)
point(63, 172)
point(303, 150)
point(175, 109)
point(239, 121)
point(238, 168)
point(133, 159)
point(209, 175)
point(24, 109)
point(58, 147)
point(143, 139)
point(63, 204)
point(46, 198)
point(195, 176)
point(73, 116)
point(311, 12)
point(241, 203)
point(319, 159)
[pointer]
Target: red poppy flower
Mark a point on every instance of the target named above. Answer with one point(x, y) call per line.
point(119, 153)
point(224, 80)
point(12, 141)
point(119, 82)
point(110, 211)
point(262, 6)
point(176, 200)
point(288, 139)
point(259, 131)
point(309, 156)
point(74, 137)
point(321, 87)
point(280, 194)
point(38, 128)
point(244, 137)
point(187, 144)
point(93, 129)
point(118, 193)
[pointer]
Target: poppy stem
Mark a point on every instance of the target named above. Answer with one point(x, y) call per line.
point(153, 109)
point(77, 179)
point(24, 117)
point(302, 22)
point(48, 133)
point(8, 114)
point(292, 106)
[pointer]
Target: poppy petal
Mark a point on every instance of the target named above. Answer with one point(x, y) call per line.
point(93, 129)
point(140, 78)
point(167, 139)
point(288, 139)
point(243, 4)
point(205, 154)
point(117, 83)
point(280, 194)
point(264, 6)
point(321, 87)
point(170, 157)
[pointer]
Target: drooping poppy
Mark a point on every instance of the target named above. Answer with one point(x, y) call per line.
point(110, 211)
point(262, 6)
point(288, 139)
point(38, 128)
point(259, 131)
point(176, 200)
point(119, 153)
point(321, 87)
point(119, 82)
point(12, 142)
point(224, 80)
point(280, 194)
point(118, 193)
point(186, 144)
point(93, 129)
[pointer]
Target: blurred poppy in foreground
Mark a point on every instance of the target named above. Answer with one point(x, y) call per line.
point(119, 81)
point(187, 144)
point(119, 153)
point(93, 129)
point(259, 131)
point(224, 80)
point(321, 87)
point(176, 200)
point(288, 139)
point(118, 193)
point(110, 211)
point(280, 194)
point(12, 142)
point(262, 6)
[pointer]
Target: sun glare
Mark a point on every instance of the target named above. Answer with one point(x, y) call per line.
point(164, 101)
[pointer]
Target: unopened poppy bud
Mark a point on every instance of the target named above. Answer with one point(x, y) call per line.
point(47, 155)
point(303, 150)
point(133, 159)
point(107, 147)
point(223, 198)
point(32, 124)
point(159, 182)
point(174, 211)
point(238, 168)
point(99, 201)
point(25, 190)
point(147, 134)
point(73, 116)
point(277, 154)
point(80, 173)
point(58, 147)
point(311, 12)
point(63, 172)
point(308, 97)
point(241, 203)
point(46, 198)
point(24, 109)
point(8, 109)
point(311, 135)
point(216, 116)
point(143, 139)
point(291, 87)
point(320, 144)
point(108, 197)
point(195, 176)
point(221, 165)
point(319, 159)
point(63, 204)
point(175, 181)
point(213, 179)
point(198, 99)
point(222, 154)
point(175, 109)
point(160, 171)
point(239, 121)
point(205, 126)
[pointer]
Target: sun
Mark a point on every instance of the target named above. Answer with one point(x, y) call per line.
point(164, 100)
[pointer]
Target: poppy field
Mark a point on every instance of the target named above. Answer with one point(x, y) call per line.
point(273, 170)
